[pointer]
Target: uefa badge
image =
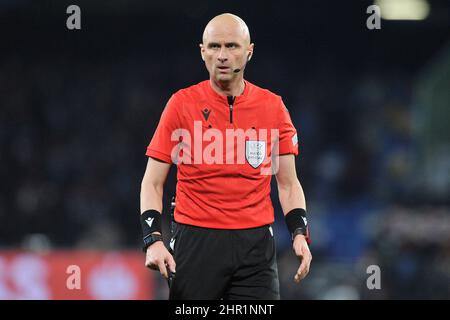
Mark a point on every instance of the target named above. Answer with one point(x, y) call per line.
point(255, 152)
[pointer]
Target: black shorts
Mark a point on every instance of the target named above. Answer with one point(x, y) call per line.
point(224, 264)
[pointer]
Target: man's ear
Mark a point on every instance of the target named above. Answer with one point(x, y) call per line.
point(201, 50)
point(250, 53)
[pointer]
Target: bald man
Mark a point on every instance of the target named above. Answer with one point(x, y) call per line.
point(227, 138)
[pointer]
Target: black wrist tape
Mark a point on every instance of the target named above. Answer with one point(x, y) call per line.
point(150, 222)
point(297, 223)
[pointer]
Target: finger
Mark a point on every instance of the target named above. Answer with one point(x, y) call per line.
point(299, 254)
point(151, 265)
point(171, 263)
point(162, 269)
point(304, 268)
point(301, 270)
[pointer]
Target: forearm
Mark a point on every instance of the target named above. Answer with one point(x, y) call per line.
point(291, 196)
point(151, 197)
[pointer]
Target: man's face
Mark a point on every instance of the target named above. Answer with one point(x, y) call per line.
point(225, 47)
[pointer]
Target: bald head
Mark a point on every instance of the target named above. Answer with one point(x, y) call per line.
point(226, 49)
point(227, 24)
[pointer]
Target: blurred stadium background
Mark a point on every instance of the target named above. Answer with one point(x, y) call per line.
point(77, 110)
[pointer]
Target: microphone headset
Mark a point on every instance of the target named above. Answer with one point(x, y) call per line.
point(240, 69)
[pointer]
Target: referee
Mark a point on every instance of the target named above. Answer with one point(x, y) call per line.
point(227, 138)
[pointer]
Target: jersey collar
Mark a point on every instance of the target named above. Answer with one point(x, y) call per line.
point(212, 93)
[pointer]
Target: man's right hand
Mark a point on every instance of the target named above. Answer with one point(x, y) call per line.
point(159, 258)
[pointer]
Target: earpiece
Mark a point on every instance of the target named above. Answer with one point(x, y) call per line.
point(249, 56)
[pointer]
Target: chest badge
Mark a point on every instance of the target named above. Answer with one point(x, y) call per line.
point(255, 152)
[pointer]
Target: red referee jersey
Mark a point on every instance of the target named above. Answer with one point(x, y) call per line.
point(223, 154)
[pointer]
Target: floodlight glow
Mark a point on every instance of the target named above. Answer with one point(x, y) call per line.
point(403, 9)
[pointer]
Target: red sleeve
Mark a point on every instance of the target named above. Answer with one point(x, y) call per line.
point(161, 145)
point(288, 133)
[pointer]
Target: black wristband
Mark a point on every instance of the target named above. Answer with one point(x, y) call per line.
point(150, 222)
point(297, 223)
point(151, 239)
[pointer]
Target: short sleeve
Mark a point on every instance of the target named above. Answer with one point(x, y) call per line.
point(161, 144)
point(288, 134)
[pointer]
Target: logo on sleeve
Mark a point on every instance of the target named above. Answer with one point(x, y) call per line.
point(294, 139)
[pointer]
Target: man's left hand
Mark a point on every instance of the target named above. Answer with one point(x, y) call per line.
point(301, 250)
